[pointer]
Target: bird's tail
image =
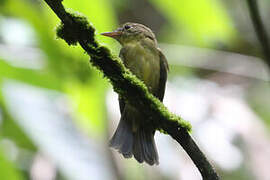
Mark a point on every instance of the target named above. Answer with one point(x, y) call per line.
point(144, 147)
point(137, 141)
point(122, 139)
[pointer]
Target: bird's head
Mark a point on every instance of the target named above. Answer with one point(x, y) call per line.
point(129, 32)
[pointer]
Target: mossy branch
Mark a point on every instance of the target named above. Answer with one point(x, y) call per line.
point(75, 29)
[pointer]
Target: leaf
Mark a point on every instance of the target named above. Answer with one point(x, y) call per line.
point(7, 169)
point(201, 22)
point(30, 76)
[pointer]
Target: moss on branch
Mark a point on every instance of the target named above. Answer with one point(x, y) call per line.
point(77, 29)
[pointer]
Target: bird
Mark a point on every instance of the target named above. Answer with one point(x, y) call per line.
point(142, 56)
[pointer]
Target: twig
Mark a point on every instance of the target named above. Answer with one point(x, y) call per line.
point(260, 29)
point(76, 29)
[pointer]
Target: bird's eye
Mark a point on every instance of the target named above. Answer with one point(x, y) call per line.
point(127, 27)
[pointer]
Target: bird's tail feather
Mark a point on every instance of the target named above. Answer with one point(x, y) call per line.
point(122, 139)
point(144, 147)
point(136, 141)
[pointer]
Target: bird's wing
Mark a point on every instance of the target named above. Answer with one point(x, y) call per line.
point(121, 104)
point(120, 99)
point(164, 68)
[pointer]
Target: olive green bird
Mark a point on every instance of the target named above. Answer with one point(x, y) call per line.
point(141, 55)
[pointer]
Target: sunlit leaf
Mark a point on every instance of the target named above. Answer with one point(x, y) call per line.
point(200, 22)
point(28, 75)
point(7, 169)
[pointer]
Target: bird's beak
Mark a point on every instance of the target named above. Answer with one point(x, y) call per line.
point(113, 34)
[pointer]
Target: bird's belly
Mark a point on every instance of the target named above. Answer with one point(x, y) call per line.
point(145, 66)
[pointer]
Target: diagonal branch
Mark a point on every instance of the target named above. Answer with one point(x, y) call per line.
point(260, 29)
point(76, 29)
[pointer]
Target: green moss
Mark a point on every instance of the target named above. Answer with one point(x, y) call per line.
point(76, 30)
point(184, 124)
point(135, 81)
point(155, 104)
point(63, 33)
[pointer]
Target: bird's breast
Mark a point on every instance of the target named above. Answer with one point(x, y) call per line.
point(144, 63)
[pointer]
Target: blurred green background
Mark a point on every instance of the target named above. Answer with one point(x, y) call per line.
point(57, 112)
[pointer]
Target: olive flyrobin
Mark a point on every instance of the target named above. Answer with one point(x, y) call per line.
point(144, 59)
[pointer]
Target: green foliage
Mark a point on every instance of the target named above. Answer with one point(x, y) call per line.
point(7, 168)
point(201, 22)
point(9, 129)
point(29, 76)
point(67, 69)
